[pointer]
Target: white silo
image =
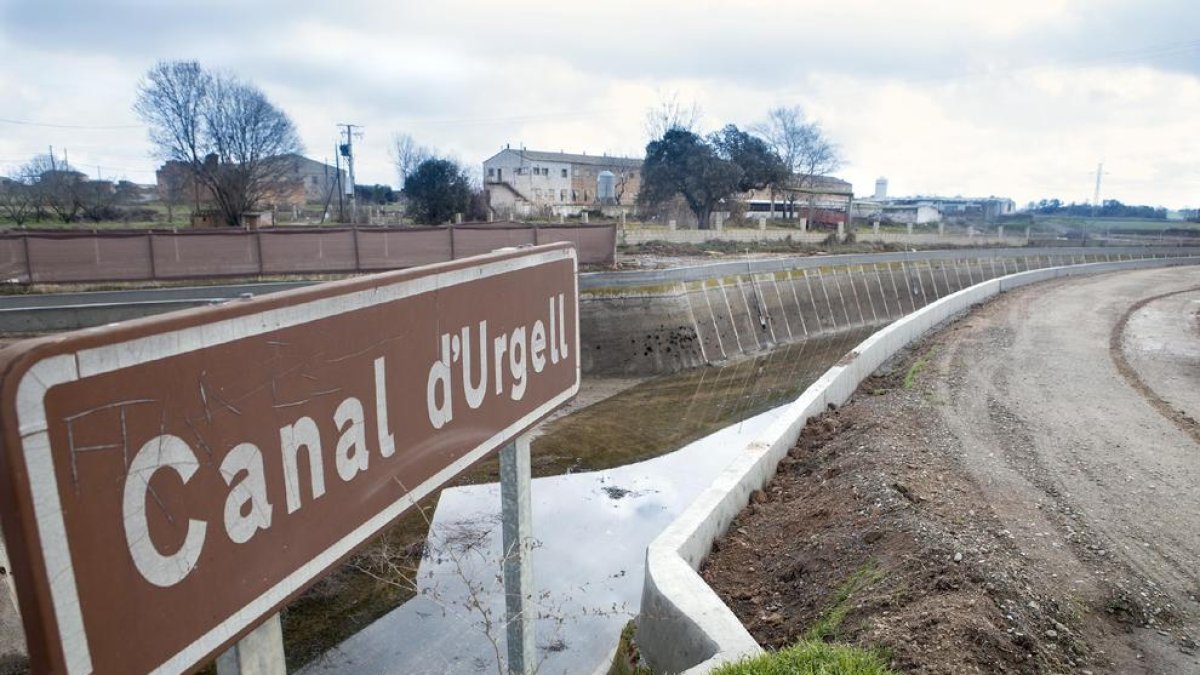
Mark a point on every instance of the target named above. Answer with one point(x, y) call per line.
point(881, 188)
point(606, 187)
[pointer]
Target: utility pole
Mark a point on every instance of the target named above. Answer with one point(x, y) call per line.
point(341, 189)
point(347, 151)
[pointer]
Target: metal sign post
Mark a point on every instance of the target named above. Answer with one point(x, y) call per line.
point(517, 524)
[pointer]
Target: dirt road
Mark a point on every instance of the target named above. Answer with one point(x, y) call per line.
point(1021, 491)
point(1094, 475)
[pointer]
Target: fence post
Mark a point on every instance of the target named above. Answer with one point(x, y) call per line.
point(451, 230)
point(28, 259)
point(537, 235)
point(258, 247)
point(150, 248)
point(357, 255)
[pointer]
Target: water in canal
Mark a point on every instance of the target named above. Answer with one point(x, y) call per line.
point(592, 526)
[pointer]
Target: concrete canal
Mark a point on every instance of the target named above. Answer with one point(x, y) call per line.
point(663, 440)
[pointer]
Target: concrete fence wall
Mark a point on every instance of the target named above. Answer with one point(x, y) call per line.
point(662, 321)
point(684, 627)
point(73, 257)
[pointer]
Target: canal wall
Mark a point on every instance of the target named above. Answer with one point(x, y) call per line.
point(632, 236)
point(683, 626)
point(662, 321)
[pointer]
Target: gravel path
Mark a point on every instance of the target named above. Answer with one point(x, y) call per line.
point(1070, 403)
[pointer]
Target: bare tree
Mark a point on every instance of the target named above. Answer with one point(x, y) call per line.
point(407, 155)
point(804, 148)
point(623, 175)
point(56, 187)
point(18, 202)
point(237, 145)
point(99, 200)
point(671, 113)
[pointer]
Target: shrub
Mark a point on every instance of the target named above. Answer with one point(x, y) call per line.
point(810, 657)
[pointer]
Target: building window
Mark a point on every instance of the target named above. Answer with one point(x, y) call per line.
point(491, 172)
point(521, 171)
point(562, 194)
point(564, 173)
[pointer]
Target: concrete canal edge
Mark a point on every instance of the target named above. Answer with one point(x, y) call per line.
point(683, 626)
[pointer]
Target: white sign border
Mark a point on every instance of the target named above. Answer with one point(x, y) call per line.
point(35, 442)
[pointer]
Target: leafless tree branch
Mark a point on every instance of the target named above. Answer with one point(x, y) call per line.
point(232, 139)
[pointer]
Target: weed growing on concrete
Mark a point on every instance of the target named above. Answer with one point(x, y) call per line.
point(627, 660)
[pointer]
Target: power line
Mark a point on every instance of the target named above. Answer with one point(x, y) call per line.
point(27, 123)
point(103, 167)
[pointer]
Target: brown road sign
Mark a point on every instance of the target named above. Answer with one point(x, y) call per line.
point(168, 483)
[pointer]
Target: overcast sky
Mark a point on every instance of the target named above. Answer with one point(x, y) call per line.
point(1020, 98)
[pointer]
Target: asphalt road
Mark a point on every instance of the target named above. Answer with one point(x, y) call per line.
point(1074, 405)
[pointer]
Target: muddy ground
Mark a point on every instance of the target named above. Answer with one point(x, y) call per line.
point(958, 566)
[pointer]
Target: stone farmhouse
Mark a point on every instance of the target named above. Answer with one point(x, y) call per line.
point(301, 181)
point(521, 183)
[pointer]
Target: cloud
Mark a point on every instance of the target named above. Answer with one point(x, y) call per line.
point(941, 96)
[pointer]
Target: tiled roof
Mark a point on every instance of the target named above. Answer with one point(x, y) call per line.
point(570, 158)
